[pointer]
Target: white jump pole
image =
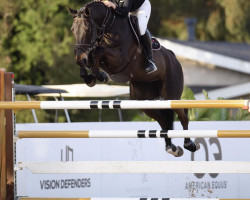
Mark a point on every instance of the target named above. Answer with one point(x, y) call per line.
point(47, 198)
point(117, 167)
point(126, 104)
point(136, 134)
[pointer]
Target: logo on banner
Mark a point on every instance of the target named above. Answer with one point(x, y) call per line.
point(69, 154)
point(69, 183)
point(213, 182)
point(217, 156)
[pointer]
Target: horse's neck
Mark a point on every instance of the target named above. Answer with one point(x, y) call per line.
point(123, 35)
point(122, 52)
point(98, 12)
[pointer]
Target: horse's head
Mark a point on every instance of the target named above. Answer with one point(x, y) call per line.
point(81, 29)
point(84, 28)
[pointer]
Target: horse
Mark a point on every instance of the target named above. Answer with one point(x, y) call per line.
point(106, 40)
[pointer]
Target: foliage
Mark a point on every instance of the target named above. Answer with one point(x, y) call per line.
point(25, 116)
point(37, 39)
point(205, 114)
point(202, 114)
point(142, 117)
point(225, 20)
point(213, 114)
point(237, 18)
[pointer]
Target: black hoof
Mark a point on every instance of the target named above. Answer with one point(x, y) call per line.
point(105, 77)
point(192, 146)
point(90, 81)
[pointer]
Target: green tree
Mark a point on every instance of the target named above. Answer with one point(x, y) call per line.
point(237, 19)
point(38, 40)
point(224, 20)
point(7, 15)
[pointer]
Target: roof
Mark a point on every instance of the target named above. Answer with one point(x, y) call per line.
point(230, 56)
point(82, 90)
point(33, 89)
point(236, 50)
point(102, 90)
point(229, 92)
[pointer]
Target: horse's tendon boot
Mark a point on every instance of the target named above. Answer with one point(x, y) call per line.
point(192, 146)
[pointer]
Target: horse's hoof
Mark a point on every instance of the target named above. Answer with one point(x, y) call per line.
point(105, 77)
point(175, 151)
point(92, 84)
point(90, 81)
point(192, 146)
point(197, 146)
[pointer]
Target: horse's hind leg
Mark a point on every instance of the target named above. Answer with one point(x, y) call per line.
point(166, 119)
point(188, 143)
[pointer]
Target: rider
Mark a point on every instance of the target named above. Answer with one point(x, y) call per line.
point(141, 9)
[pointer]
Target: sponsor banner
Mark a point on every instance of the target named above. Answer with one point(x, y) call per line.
point(132, 185)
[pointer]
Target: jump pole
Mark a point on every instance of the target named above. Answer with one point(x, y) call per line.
point(126, 104)
point(131, 167)
point(7, 105)
point(136, 134)
point(30, 198)
point(6, 138)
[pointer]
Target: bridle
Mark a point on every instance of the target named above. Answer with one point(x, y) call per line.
point(97, 31)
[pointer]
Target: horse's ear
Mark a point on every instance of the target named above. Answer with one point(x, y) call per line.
point(73, 12)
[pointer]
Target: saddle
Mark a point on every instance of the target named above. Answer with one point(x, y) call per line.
point(133, 21)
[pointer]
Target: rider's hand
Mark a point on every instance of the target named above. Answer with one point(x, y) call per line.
point(109, 4)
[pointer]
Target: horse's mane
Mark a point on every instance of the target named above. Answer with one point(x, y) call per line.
point(93, 2)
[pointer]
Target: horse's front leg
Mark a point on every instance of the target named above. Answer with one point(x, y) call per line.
point(89, 79)
point(96, 56)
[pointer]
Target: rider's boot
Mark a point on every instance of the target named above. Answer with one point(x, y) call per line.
point(147, 50)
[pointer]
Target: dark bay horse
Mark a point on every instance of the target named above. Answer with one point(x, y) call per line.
point(106, 40)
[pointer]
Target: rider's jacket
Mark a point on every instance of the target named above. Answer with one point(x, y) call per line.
point(123, 7)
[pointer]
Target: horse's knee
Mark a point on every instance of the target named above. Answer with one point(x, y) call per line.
point(83, 73)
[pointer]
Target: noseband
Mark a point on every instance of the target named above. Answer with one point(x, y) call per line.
point(97, 31)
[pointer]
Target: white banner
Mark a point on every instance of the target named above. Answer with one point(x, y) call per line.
point(132, 185)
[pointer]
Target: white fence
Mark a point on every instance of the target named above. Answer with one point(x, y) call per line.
point(202, 185)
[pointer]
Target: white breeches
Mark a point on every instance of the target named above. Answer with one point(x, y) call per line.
point(143, 15)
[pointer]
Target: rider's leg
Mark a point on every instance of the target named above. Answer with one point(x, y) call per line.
point(147, 50)
point(143, 15)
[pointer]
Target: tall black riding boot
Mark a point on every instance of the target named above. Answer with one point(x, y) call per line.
point(147, 50)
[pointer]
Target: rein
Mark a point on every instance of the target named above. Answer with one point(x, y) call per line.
point(104, 27)
point(98, 33)
point(96, 37)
